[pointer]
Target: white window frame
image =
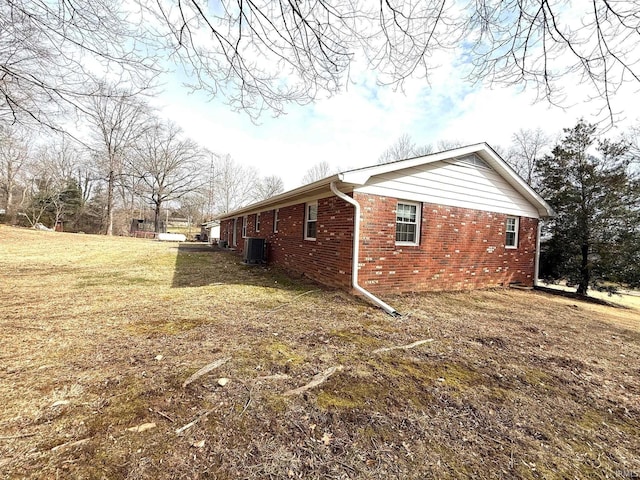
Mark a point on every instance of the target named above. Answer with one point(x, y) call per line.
point(515, 223)
point(258, 222)
point(276, 212)
point(245, 221)
point(308, 220)
point(418, 214)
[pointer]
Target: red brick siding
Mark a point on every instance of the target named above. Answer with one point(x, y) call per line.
point(459, 249)
point(326, 259)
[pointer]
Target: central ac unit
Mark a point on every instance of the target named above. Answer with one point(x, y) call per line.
point(254, 250)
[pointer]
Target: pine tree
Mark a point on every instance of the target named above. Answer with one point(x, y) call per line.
point(596, 222)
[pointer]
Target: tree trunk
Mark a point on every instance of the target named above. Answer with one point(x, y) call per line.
point(110, 187)
point(585, 272)
point(10, 211)
point(156, 219)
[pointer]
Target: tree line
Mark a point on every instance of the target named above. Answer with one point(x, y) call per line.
point(132, 164)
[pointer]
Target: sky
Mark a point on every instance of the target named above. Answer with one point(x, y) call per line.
point(353, 128)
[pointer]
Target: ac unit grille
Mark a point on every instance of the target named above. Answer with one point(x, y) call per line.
point(254, 250)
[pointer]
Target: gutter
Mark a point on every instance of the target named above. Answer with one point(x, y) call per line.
point(356, 251)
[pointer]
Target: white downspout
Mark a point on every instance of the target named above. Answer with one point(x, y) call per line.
point(356, 251)
point(536, 267)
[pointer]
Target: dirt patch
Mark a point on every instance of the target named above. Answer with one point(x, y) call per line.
point(99, 335)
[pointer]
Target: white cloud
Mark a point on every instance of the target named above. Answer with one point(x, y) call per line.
point(353, 128)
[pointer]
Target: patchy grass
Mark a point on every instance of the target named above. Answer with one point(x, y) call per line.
point(98, 335)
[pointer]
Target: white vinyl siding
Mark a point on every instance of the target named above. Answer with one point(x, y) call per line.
point(311, 221)
point(452, 183)
point(407, 223)
point(511, 232)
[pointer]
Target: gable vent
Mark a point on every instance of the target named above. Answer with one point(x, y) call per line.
point(474, 160)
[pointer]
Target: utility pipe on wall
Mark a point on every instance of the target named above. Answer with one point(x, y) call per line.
point(356, 253)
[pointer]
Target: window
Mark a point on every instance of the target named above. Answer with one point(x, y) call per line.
point(275, 220)
point(511, 232)
point(407, 223)
point(257, 222)
point(311, 221)
point(244, 226)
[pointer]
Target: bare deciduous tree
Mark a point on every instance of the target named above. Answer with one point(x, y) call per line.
point(168, 165)
point(234, 184)
point(449, 144)
point(403, 148)
point(192, 206)
point(53, 188)
point(119, 120)
point(526, 150)
point(268, 187)
point(317, 172)
point(14, 155)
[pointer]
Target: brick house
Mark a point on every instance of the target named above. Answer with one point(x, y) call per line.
point(454, 220)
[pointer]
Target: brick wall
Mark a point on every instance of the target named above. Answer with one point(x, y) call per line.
point(459, 248)
point(326, 259)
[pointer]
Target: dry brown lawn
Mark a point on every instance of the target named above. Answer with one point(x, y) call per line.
point(98, 335)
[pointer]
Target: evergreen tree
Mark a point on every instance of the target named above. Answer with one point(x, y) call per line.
point(593, 234)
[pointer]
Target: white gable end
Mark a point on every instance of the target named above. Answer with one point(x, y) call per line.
point(457, 183)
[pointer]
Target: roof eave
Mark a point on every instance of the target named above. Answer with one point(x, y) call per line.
point(361, 176)
point(283, 198)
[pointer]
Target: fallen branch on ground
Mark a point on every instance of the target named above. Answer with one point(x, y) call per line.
point(403, 347)
point(193, 422)
point(162, 414)
point(317, 380)
point(204, 370)
point(288, 303)
point(76, 443)
point(276, 376)
point(246, 405)
point(142, 428)
point(22, 435)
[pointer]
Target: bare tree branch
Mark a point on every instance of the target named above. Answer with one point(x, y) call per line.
point(53, 53)
point(167, 164)
point(403, 148)
point(262, 54)
point(317, 172)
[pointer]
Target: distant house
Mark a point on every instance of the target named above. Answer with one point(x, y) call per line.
point(454, 220)
point(178, 222)
point(210, 231)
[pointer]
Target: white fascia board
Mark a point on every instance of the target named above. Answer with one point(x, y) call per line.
point(516, 181)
